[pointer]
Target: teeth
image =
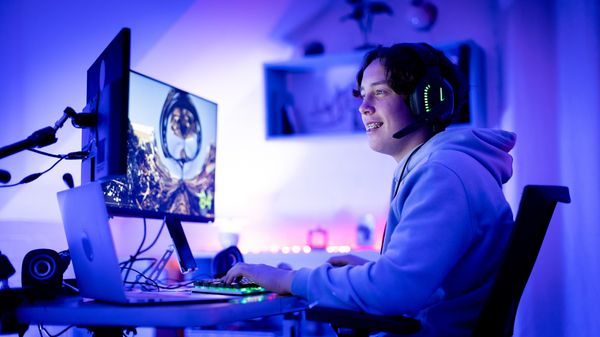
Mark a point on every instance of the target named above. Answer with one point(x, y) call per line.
point(375, 125)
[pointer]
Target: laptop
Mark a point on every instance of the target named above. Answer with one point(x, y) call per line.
point(86, 223)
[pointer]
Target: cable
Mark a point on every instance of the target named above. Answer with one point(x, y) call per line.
point(128, 265)
point(42, 328)
point(65, 284)
point(133, 257)
point(122, 264)
point(76, 155)
point(46, 153)
point(397, 187)
point(155, 284)
point(147, 280)
point(404, 168)
point(33, 176)
point(137, 252)
point(162, 226)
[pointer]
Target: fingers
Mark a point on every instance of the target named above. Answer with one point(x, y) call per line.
point(237, 271)
point(348, 259)
point(338, 261)
point(273, 279)
point(284, 266)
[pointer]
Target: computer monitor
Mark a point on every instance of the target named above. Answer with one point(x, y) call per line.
point(154, 145)
point(171, 157)
point(153, 148)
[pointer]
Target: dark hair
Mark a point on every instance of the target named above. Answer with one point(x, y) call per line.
point(405, 67)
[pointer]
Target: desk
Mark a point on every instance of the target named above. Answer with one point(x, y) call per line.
point(72, 310)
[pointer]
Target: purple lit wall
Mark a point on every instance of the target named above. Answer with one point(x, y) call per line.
point(542, 81)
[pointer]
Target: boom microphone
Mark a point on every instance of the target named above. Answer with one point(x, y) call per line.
point(4, 176)
point(409, 129)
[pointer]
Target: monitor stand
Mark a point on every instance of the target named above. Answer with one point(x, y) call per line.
point(187, 262)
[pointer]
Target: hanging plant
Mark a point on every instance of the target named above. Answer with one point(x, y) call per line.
point(363, 12)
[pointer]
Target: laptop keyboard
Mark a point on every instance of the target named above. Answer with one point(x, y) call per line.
point(218, 286)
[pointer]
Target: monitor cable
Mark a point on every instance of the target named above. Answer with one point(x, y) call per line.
point(128, 265)
point(33, 176)
point(77, 155)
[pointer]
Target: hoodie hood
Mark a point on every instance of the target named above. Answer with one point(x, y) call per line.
point(489, 147)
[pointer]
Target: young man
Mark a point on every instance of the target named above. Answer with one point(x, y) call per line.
point(449, 221)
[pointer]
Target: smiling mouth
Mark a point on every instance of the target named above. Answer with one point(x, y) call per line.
point(373, 126)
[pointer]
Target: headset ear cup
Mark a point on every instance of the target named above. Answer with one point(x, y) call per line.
point(416, 101)
point(432, 101)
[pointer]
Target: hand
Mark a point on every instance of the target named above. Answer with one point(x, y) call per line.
point(273, 279)
point(347, 259)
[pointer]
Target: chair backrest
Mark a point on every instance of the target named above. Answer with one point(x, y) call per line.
point(533, 217)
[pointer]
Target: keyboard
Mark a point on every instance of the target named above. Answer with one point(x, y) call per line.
point(218, 286)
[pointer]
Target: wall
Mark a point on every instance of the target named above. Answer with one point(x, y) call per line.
point(552, 80)
point(206, 47)
point(275, 191)
point(530, 56)
point(578, 49)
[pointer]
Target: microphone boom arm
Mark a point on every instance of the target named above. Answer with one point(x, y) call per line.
point(40, 138)
point(47, 136)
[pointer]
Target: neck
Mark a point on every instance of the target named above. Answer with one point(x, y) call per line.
point(409, 142)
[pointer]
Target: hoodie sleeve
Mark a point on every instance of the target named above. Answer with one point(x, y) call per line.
point(425, 243)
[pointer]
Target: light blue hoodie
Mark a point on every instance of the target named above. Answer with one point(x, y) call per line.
point(446, 231)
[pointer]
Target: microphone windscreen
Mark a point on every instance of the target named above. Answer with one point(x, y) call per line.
point(4, 176)
point(68, 179)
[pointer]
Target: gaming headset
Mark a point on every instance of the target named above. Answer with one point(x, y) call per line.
point(432, 100)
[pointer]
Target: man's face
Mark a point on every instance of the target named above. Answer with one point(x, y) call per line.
point(383, 111)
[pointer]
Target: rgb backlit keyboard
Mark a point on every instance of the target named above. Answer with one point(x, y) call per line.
point(218, 286)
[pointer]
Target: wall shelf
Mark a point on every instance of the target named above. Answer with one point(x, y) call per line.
point(313, 95)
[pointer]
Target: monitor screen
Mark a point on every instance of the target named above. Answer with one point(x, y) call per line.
point(171, 152)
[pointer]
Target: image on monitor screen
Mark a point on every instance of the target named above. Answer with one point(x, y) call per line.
point(171, 154)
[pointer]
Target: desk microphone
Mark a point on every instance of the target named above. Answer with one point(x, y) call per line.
point(4, 176)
